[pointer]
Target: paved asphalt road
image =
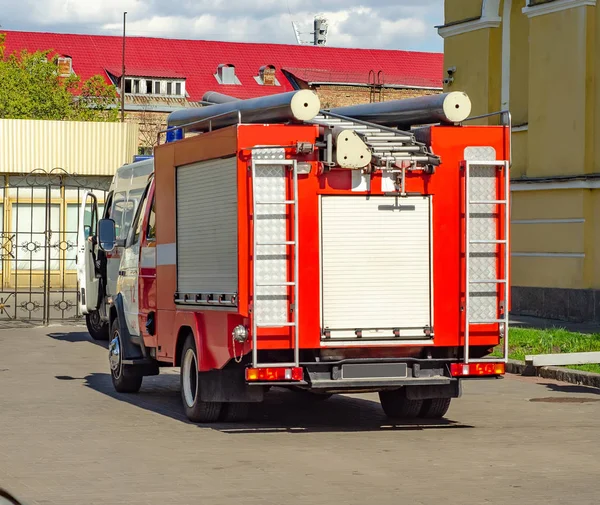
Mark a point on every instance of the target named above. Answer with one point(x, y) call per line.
point(66, 438)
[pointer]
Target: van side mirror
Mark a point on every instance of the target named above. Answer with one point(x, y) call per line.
point(107, 238)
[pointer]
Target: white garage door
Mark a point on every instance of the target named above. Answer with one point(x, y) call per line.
point(376, 272)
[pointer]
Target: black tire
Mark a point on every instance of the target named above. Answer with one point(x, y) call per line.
point(234, 412)
point(125, 379)
point(435, 408)
point(397, 406)
point(195, 409)
point(98, 329)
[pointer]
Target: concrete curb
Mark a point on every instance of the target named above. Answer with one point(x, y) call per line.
point(554, 372)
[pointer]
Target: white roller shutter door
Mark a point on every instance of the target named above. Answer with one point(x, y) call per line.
point(207, 248)
point(376, 266)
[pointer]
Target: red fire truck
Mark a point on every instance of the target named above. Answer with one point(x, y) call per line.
point(325, 251)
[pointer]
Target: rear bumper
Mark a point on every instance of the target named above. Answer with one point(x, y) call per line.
point(377, 384)
point(375, 374)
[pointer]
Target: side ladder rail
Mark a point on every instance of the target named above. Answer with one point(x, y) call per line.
point(503, 242)
point(256, 245)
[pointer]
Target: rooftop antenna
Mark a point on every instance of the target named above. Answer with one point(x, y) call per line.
point(296, 32)
point(299, 34)
point(320, 31)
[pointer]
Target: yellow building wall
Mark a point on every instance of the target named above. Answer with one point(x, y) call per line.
point(593, 238)
point(548, 238)
point(590, 90)
point(470, 54)
point(554, 204)
point(581, 238)
point(557, 93)
point(495, 69)
point(519, 154)
point(519, 63)
point(594, 78)
point(554, 81)
point(459, 10)
point(537, 272)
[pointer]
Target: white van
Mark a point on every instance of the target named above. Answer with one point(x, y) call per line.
point(122, 200)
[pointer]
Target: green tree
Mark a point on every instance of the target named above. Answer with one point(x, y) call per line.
point(32, 89)
point(97, 101)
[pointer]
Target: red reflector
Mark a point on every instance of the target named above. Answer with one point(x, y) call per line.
point(476, 369)
point(274, 374)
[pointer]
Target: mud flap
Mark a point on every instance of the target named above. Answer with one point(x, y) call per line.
point(228, 386)
point(452, 390)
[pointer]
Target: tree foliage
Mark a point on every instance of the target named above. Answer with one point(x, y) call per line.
point(32, 89)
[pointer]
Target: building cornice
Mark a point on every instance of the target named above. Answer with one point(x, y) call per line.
point(469, 26)
point(490, 18)
point(520, 185)
point(558, 5)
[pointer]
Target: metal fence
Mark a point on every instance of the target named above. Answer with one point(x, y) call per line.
point(38, 243)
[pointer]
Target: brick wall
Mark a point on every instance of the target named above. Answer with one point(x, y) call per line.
point(150, 124)
point(340, 96)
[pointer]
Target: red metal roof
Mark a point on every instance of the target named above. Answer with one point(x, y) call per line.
point(197, 61)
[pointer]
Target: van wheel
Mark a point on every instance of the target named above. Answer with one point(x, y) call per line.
point(125, 379)
point(97, 328)
point(435, 408)
point(396, 405)
point(234, 412)
point(196, 410)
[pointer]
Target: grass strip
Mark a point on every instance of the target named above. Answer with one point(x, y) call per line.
point(524, 341)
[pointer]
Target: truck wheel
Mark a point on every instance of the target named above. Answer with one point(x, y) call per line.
point(124, 379)
point(196, 410)
point(435, 408)
point(97, 328)
point(234, 412)
point(396, 405)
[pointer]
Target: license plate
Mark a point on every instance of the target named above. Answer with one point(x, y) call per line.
point(374, 371)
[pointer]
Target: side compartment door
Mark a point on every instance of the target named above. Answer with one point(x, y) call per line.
point(87, 250)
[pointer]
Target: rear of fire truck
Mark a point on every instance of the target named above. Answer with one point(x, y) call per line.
point(362, 249)
point(356, 254)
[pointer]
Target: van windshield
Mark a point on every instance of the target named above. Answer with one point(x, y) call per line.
point(123, 211)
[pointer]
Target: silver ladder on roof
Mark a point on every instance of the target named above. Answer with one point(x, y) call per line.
point(500, 243)
point(271, 275)
point(387, 145)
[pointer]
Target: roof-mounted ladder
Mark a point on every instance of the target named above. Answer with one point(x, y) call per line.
point(388, 146)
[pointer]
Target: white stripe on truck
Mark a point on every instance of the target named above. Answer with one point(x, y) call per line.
point(166, 254)
point(148, 257)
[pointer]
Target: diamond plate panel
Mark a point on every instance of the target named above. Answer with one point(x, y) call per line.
point(483, 258)
point(271, 261)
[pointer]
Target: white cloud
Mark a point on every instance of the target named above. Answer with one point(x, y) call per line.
point(393, 24)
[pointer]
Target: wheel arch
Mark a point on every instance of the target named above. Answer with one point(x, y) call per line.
point(131, 349)
point(182, 335)
point(112, 315)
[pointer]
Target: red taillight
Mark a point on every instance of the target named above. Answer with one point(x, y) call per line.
point(476, 369)
point(274, 374)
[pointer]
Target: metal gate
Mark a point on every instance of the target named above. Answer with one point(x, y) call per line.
point(38, 243)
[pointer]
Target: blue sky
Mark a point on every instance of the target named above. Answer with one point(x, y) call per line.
point(386, 24)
